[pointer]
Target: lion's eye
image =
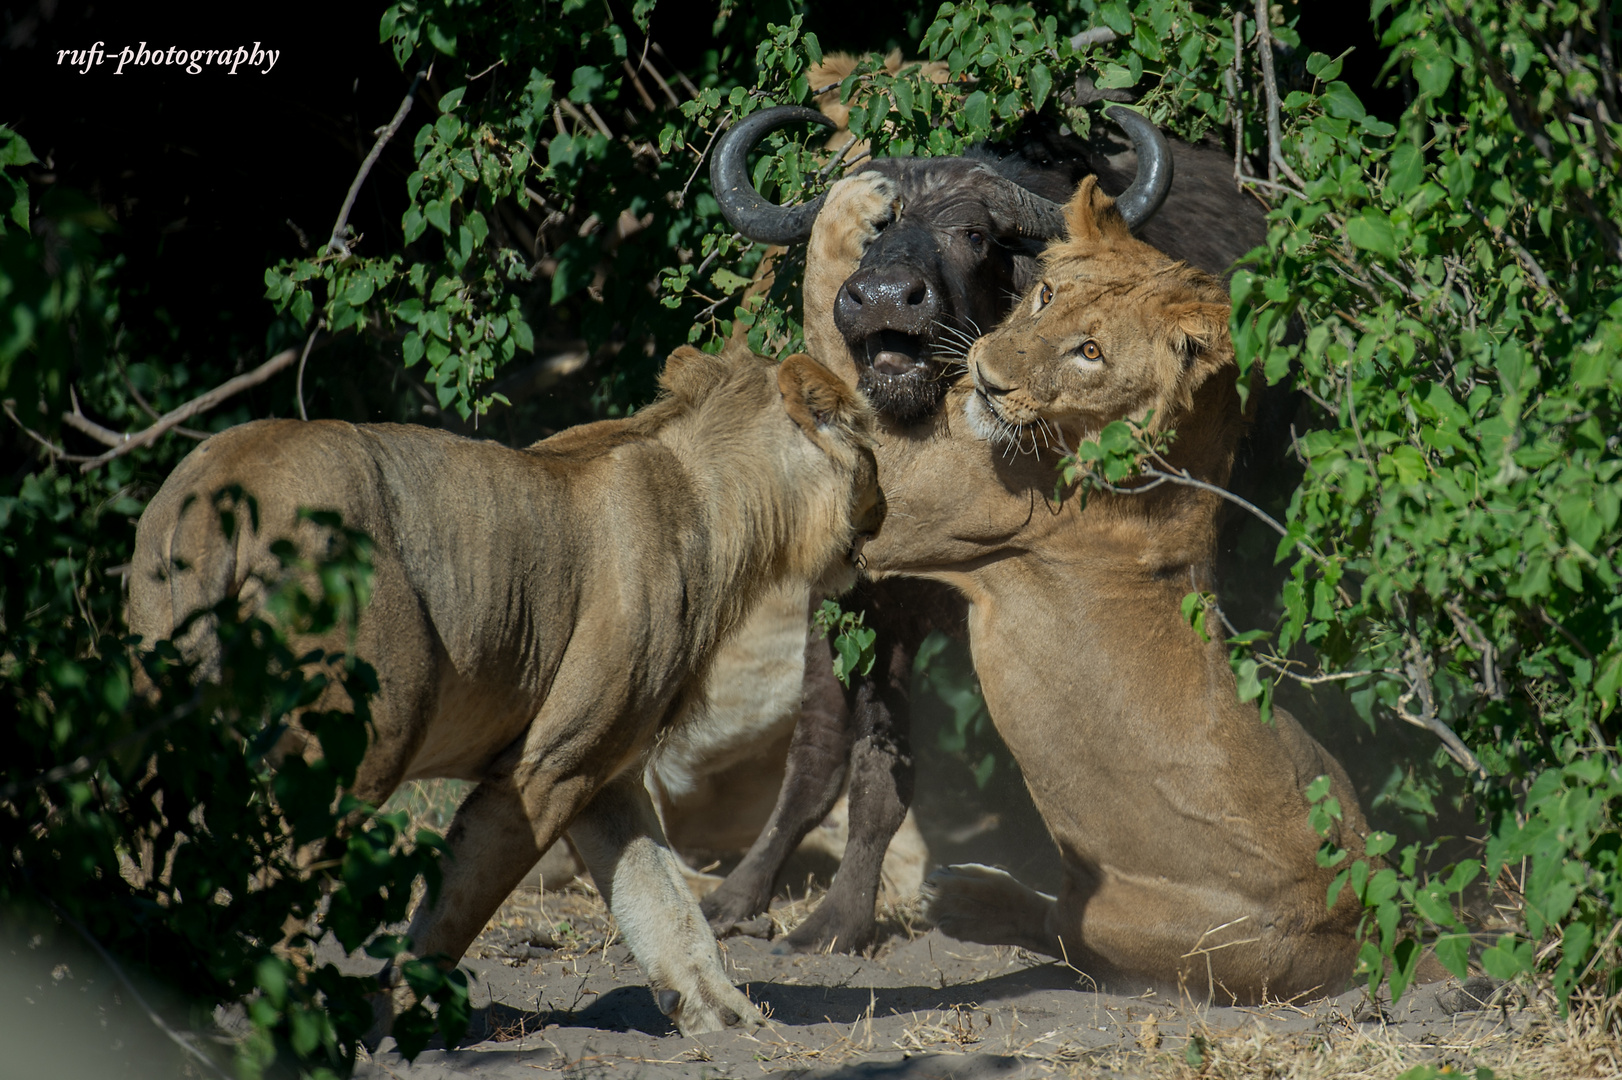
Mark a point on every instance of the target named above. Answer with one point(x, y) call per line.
point(1091, 351)
point(1044, 297)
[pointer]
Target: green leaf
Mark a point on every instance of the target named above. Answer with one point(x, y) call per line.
point(1407, 169)
point(976, 114)
point(438, 213)
point(452, 99)
point(1371, 231)
point(1453, 950)
point(1339, 101)
point(1041, 81)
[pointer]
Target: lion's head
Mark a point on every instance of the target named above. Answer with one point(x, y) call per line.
point(1113, 330)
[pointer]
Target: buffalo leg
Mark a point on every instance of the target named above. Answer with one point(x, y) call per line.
point(811, 781)
point(881, 783)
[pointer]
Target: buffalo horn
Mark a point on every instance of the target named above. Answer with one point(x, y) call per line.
point(742, 205)
point(1139, 202)
point(1042, 219)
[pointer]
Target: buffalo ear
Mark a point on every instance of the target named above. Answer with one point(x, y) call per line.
point(690, 374)
point(1092, 218)
point(815, 397)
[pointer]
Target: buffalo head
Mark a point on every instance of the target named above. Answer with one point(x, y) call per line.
point(947, 267)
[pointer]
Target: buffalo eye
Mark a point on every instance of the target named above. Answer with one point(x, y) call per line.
point(977, 238)
point(1091, 351)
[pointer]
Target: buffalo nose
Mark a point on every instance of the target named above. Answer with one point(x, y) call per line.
point(886, 298)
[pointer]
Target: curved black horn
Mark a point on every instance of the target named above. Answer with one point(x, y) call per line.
point(740, 202)
point(1029, 214)
point(1139, 202)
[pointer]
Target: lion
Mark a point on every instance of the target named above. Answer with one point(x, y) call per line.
point(538, 615)
point(1188, 858)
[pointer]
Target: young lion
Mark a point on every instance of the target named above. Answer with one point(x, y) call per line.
point(1188, 857)
point(539, 614)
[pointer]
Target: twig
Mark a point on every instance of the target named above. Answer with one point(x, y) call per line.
point(56, 451)
point(147, 408)
point(1264, 48)
point(1351, 414)
point(174, 1036)
point(1524, 257)
point(77, 419)
point(681, 196)
point(1237, 96)
point(687, 84)
point(200, 403)
point(1476, 638)
point(670, 95)
point(337, 243)
point(1278, 663)
point(1259, 182)
point(641, 91)
point(298, 387)
point(1419, 686)
point(1543, 614)
point(1098, 35)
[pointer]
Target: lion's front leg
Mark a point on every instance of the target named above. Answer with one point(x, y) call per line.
point(856, 209)
point(619, 837)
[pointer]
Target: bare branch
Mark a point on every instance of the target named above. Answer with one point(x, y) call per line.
point(1474, 637)
point(681, 196)
point(201, 403)
point(55, 451)
point(337, 243)
point(641, 91)
point(1264, 49)
point(1419, 686)
point(670, 95)
point(78, 420)
point(686, 83)
point(1524, 257)
point(298, 386)
point(1098, 35)
point(1236, 95)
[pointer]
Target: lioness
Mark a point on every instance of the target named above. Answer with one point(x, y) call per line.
point(1188, 857)
point(539, 614)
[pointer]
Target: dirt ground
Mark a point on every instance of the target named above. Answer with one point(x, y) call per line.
point(555, 991)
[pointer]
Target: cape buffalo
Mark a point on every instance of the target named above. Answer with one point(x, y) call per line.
point(961, 246)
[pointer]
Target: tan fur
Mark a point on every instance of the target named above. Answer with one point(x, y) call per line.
point(538, 615)
point(827, 77)
point(715, 774)
point(1188, 858)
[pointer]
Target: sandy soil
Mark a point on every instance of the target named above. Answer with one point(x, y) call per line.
point(554, 991)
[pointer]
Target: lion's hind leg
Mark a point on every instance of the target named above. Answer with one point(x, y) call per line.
point(618, 836)
point(978, 903)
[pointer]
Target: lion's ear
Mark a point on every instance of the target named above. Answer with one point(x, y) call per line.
point(1199, 335)
point(1092, 218)
point(689, 373)
point(815, 397)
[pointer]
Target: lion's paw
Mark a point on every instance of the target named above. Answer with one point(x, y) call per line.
point(856, 211)
point(978, 903)
point(707, 1003)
